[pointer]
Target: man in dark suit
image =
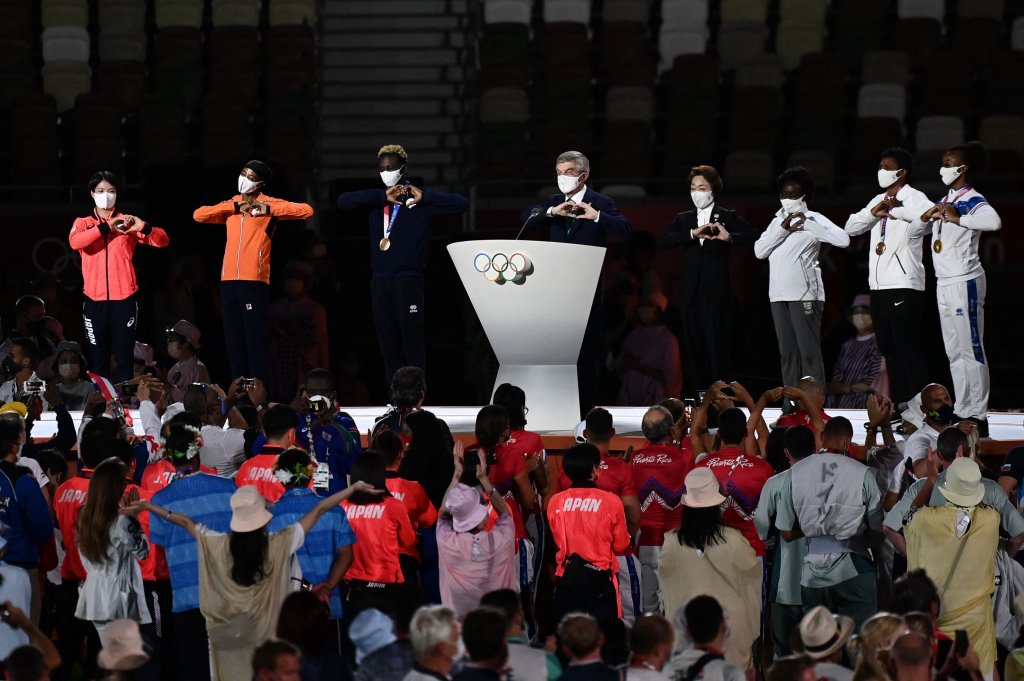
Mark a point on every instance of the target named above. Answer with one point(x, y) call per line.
point(580, 215)
point(707, 235)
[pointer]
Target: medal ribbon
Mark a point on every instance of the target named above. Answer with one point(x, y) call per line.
point(389, 223)
point(946, 199)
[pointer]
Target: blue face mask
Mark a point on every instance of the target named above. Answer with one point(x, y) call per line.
point(943, 415)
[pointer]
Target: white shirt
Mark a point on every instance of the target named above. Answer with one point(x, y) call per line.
point(223, 449)
point(793, 272)
point(37, 470)
point(959, 262)
point(920, 442)
point(703, 218)
point(900, 265)
point(642, 674)
point(10, 391)
point(832, 672)
point(577, 198)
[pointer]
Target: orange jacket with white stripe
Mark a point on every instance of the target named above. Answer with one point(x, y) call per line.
point(247, 252)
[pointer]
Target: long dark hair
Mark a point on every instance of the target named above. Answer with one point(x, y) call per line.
point(701, 527)
point(491, 423)
point(513, 398)
point(248, 556)
point(368, 467)
point(106, 487)
point(303, 622)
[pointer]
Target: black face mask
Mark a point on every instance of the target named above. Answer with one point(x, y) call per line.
point(943, 415)
point(38, 326)
point(10, 367)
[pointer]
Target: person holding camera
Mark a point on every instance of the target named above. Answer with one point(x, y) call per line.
point(20, 365)
point(328, 434)
point(182, 345)
point(579, 215)
point(106, 241)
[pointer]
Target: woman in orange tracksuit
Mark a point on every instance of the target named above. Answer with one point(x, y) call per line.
point(106, 241)
point(251, 217)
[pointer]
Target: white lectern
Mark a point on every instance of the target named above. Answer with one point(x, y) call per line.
point(533, 299)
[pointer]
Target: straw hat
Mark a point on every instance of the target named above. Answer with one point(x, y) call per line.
point(702, 489)
point(124, 651)
point(823, 633)
point(248, 510)
point(963, 486)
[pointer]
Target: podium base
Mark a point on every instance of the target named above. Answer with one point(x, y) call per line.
point(552, 393)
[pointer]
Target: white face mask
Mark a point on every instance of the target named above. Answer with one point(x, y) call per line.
point(793, 205)
point(887, 178)
point(105, 200)
point(567, 183)
point(68, 370)
point(861, 321)
point(702, 199)
point(245, 185)
point(949, 175)
point(390, 177)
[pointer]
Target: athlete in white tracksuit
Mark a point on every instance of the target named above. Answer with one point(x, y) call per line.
point(957, 223)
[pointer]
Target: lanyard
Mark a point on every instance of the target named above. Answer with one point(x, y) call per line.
point(389, 223)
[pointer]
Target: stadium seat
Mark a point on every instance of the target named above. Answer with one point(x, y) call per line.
point(982, 9)
point(885, 66)
point(1002, 132)
point(504, 105)
point(856, 28)
point(291, 48)
point(626, 54)
point(508, 12)
point(982, 35)
point(821, 163)
point(687, 145)
point(938, 132)
point(792, 42)
point(676, 42)
point(172, 13)
point(919, 38)
point(802, 13)
point(638, 11)
point(17, 20)
point(121, 17)
point(693, 89)
point(505, 145)
point(163, 138)
point(676, 14)
point(33, 128)
point(292, 13)
point(65, 13)
point(235, 49)
point(505, 45)
point(628, 150)
point(629, 103)
point(1003, 93)
point(882, 100)
point(740, 42)
point(225, 139)
point(65, 80)
point(236, 13)
point(123, 83)
point(124, 46)
point(749, 170)
point(766, 71)
point(755, 118)
point(921, 9)
point(179, 46)
point(744, 10)
point(567, 11)
point(65, 43)
point(933, 82)
point(871, 135)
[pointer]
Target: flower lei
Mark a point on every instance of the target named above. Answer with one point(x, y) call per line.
point(299, 472)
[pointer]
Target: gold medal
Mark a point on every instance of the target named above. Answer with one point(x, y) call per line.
point(937, 246)
point(880, 248)
point(385, 244)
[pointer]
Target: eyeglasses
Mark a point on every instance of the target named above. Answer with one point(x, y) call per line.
point(526, 410)
point(568, 173)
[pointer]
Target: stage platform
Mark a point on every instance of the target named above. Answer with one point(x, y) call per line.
point(1006, 429)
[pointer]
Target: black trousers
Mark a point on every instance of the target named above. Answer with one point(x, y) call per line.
point(706, 341)
point(246, 312)
point(898, 318)
point(595, 595)
point(193, 645)
point(398, 313)
point(71, 631)
point(110, 328)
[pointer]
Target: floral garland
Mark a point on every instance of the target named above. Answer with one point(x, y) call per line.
point(298, 473)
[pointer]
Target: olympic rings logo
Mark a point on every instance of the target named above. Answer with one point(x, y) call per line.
point(501, 268)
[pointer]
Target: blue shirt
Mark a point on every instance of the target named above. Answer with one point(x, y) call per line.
point(331, 533)
point(336, 443)
point(24, 510)
point(204, 498)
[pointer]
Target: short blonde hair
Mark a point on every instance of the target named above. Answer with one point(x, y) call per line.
point(396, 149)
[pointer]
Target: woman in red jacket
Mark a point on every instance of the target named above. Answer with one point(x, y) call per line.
point(106, 240)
